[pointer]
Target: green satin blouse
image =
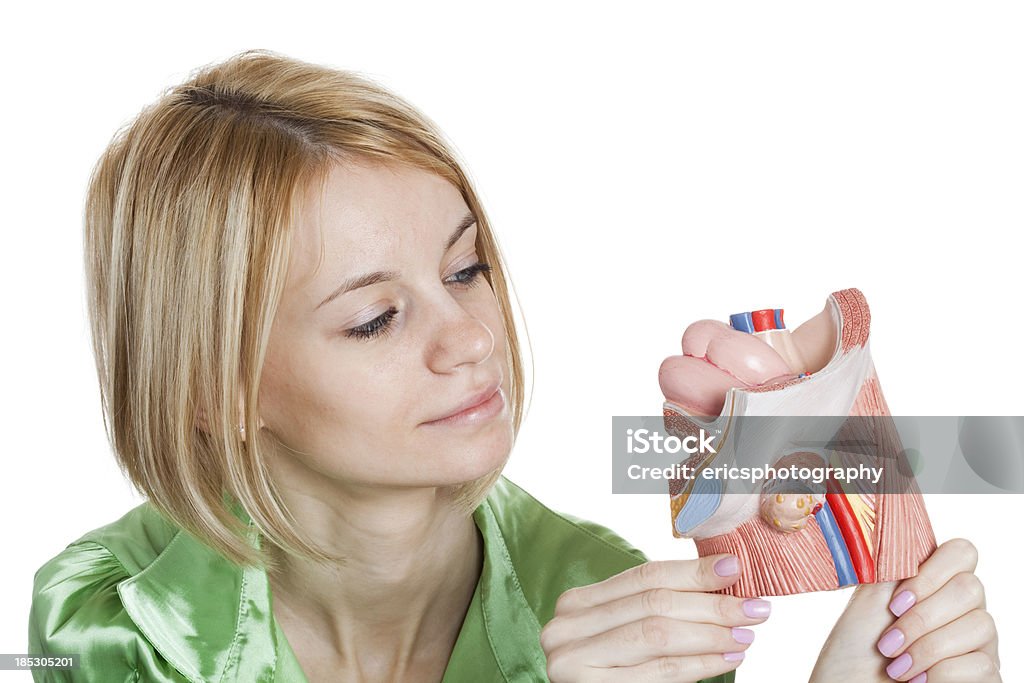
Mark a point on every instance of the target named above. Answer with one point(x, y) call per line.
point(142, 600)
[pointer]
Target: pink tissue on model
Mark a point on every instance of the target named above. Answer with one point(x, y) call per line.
point(697, 379)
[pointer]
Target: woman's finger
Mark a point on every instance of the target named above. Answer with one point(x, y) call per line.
point(963, 636)
point(960, 595)
point(975, 667)
point(950, 558)
point(709, 573)
point(707, 608)
point(663, 669)
point(991, 648)
point(651, 638)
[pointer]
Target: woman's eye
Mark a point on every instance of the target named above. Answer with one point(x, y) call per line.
point(378, 326)
point(471, 276)
point(468, 277)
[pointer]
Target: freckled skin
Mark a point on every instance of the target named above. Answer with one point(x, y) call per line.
point(352, 409)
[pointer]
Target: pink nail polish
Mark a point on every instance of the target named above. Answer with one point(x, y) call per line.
point(902, 602)
point(732, 656)
point(891, 642)
point(899, 666)
point(743, 635)
point(756, 608)
point(919, 678)
point(727, 566)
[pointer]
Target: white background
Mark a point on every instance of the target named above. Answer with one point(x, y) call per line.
point(644, 167)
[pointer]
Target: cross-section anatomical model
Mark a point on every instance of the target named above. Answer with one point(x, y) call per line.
point(792, 541)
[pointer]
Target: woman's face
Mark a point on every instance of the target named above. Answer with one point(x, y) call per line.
point(353, 377)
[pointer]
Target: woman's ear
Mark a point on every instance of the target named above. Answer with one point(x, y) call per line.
point(202, 422)
point(260, 424)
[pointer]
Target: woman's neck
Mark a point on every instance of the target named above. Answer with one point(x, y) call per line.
point(400, 596)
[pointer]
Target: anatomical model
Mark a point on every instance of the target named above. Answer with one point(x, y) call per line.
point(793, 541)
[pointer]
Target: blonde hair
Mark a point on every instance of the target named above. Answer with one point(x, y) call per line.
point(188, 223)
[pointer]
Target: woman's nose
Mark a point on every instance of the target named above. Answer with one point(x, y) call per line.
point(463, 340)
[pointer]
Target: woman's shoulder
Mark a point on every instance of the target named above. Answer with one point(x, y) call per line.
point(552, 551)
point(517, 508)
point(123, 548)
point(76, 608)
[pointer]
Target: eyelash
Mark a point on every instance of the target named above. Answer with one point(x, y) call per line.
point(381, 325)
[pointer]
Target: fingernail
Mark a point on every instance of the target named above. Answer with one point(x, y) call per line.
point(919, 678)
point(899, 666)
point(727, 566)
point(902, 602)
point(743, 635)
point(732, 656)
point(756, 608)
point(891, 642)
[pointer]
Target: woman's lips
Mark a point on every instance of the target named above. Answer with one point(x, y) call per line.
point(484, 408)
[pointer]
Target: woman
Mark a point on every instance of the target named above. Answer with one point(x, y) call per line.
point(309, 367)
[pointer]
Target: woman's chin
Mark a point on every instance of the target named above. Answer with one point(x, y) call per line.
point(472, 452)
point(471, 467)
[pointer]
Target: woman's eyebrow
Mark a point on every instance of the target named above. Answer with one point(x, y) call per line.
point(373, 278)
point(468, 220)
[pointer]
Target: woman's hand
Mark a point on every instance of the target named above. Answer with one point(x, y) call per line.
point(654, 622)
point(942, 632)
